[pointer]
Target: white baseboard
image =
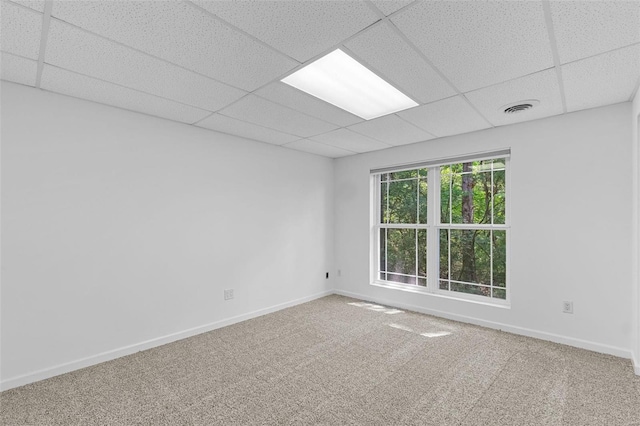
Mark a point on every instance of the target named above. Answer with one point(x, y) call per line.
point(583, 344)
point(636, 364)
point(148, 344)
point(152, 343)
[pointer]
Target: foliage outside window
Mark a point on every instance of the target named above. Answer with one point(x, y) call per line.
point(459, 246)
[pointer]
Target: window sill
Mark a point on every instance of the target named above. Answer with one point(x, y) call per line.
point(443, 294)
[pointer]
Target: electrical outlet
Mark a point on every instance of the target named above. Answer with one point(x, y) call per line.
point(228, 294)
point(567, 307)
point(327, 276)
point(339, 272)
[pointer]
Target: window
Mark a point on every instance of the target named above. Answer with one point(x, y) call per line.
point(403, 227)
point(441, 227)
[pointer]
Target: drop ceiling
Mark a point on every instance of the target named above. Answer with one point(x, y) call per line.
point(218, 64)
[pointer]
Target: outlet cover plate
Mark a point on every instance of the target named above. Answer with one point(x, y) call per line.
point(228, 294)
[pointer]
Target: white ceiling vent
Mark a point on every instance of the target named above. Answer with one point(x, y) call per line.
point(519, 106)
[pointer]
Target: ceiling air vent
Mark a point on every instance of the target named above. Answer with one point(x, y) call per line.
point(520, 106)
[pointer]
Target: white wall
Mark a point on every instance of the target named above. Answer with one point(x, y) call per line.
point(571, 215)
point(635, 251)
point(120, 228)
point(120, 231)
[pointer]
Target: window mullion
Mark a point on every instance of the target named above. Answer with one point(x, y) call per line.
point(386, 245)
point(416, 231)
point(386, 235)
point(377, 221)
point(433, 218)
point(491, 259)
point(387, 207)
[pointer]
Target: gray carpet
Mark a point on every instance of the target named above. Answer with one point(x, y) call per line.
point(335, 363)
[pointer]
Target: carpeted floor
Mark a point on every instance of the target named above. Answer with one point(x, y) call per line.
point(337, 361)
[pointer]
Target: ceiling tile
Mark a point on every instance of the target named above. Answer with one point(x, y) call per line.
point(479, 43)
point(32, 4)
point(182, 34)
point(18, 69)
point(301, 29)
point(542, 86)
point(224, 124)
point(445, 118)
point(388, 54)
point(351, 141)
point(318, 148)
point(391, 129)
point(265, 113)
point(79, 86)
point(288, 96)
point(389, 6)
point(602, 80)
point(74, 49)
point(587, 28)
point(21, 30)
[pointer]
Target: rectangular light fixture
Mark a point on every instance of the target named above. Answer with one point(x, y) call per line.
point(339, 79)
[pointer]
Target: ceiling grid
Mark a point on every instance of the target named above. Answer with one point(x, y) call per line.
point(46, 20)
point(426, 59)
point(554, 50)
point(218, 65)
point(239, 30)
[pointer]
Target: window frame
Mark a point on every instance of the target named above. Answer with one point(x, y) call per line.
point(433, 228)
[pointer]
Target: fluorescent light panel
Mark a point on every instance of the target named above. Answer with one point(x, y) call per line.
point(339, 79)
